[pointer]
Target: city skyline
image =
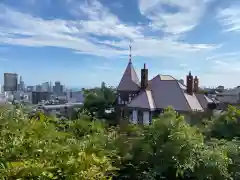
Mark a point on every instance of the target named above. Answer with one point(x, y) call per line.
point(84, 42)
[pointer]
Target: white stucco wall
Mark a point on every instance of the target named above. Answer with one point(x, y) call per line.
point(146, 118)
point(135, 117)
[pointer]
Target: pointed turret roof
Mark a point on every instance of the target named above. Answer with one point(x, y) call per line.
point(129, 81)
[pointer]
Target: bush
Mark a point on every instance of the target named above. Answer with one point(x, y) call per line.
point(86, 148)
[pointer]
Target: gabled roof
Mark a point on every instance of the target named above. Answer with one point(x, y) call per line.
point(143, 100)
point(204, 100)
point(129, 81)
point(171, 93)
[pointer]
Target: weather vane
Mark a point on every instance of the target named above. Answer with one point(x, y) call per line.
point(130, 52)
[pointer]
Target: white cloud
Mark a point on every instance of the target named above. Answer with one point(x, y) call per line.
point(92, 18)
point(101, 22)
point(230, 18)
point(173, 16)
point(224, 63)
point(227, 67)
point(225, 56)
point(155, 47)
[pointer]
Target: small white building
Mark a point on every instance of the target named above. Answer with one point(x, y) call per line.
point(3, 99)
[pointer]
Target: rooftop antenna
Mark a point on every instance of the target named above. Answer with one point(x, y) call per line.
point(130, 53)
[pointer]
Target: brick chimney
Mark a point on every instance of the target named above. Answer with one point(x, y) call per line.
point(144, 77)
point(190, 84)
point(196, 84)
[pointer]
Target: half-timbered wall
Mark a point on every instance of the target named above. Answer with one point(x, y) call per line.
point(126, 97)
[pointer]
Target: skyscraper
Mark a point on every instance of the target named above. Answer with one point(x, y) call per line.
point(46, 87)
point(10, 81)
point(38, 88)
point(21, 84)
point(58, 88)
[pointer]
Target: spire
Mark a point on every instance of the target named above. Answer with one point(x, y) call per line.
point(130, 53)
point(189, 73)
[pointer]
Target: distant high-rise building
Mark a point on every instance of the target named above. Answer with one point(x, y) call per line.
point(51, 86)
point(46, 87)
point(58, 88)
point(37, 97)
point(21, 84)
point(38, 88)
point(76, 96)
point(30, 88)
point(10, 82)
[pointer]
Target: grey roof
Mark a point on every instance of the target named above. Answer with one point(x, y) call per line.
point(171, 93)
point(164, 92)
point(166, 77)
point(129, 81)
point(55, 106)
point(143, 100)
point(204, 100)
point(234, 91)
point(193, 102)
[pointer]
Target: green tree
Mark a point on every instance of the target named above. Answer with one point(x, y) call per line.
point(36, 149)
point(226, 126)
point(172, 149)
point(86, 148)
point(98, 100)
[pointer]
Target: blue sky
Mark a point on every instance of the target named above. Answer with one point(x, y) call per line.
point(84, 42)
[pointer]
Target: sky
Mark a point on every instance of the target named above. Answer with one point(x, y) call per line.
point(84, 42)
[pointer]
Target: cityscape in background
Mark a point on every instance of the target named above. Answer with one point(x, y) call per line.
point(15, 90)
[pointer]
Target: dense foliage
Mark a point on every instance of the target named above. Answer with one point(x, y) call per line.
point(98, 101)
point(47, 148)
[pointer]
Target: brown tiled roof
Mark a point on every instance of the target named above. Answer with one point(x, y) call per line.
point(143, 100)
point(129, 81)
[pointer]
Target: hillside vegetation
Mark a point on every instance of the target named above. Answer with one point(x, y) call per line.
point(86, 148)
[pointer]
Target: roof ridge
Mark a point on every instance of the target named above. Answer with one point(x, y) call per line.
point(199, 101)
point(184, 96)
point(133, 71)
point(173, 78)
point(153, 101)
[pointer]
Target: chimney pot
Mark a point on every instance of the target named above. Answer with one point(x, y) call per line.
point(196, 84)
point(144, 77)
point(190, 83)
